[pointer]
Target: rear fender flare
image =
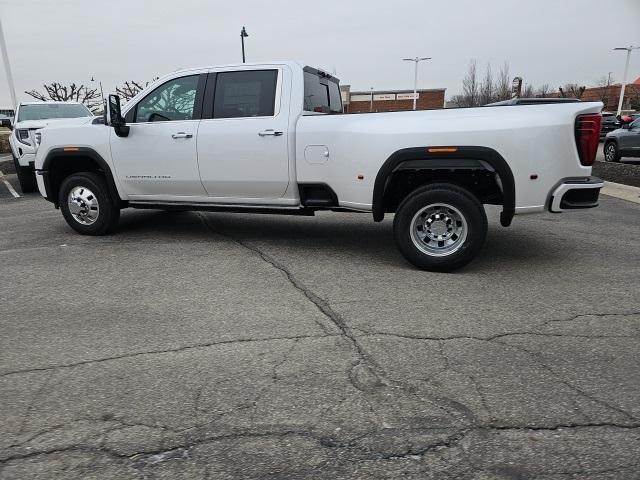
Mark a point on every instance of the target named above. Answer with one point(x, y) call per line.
point(462, 158)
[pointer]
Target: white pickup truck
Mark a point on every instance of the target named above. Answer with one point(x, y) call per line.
point(30, 118)
point(272, 138)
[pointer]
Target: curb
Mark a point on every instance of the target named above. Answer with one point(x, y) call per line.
point(624, 192)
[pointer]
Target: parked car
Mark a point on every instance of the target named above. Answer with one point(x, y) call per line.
point(5, 121)
point(623, 142)
point(609, 123)
point(271, 138)
point(31, 117)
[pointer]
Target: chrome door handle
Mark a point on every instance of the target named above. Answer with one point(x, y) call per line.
point(270, 132)
point(181, 135)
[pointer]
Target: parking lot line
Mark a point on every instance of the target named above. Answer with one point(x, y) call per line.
point(9, 186)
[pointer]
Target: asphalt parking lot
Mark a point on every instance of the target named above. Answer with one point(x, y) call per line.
point(224, 346)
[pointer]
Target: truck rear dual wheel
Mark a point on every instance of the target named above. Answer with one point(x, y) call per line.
point(86, 204)
point(26, 177)
point(440, 227)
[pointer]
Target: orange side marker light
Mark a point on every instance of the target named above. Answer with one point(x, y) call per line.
point(442, 150)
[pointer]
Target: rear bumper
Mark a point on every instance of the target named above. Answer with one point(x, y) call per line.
point(575, 194)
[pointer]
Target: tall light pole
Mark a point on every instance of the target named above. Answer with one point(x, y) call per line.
point(243, 35)
point(416, 60)
point(629, 49)
point(371, 102)
point(7, 68)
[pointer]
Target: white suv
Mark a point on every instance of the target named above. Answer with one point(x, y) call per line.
point(30, 117)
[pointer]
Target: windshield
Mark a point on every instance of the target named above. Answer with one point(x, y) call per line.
point(52, 110)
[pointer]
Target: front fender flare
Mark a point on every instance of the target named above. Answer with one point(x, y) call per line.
point(59, 153)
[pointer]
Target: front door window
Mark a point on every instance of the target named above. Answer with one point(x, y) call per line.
point(174, 100)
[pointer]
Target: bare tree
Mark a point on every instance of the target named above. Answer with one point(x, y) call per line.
point(130, 89)
point(572, 90)
point(528, 91)
point(470, 86)
point(69, 93)
point(603, 89)
point(487, 88)
point(495, 89)
point(503, 84)
point(457, 101)
point(544, 91)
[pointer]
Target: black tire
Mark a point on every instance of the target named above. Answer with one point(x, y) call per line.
point(611, 152)
point(456, 210)
point(107, 213)
point(26, 177)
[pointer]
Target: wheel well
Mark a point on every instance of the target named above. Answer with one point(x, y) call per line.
point(481, 170)
point(61, 166)
point(483, 183)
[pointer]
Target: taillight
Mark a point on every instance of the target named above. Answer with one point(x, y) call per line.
point(588, 137)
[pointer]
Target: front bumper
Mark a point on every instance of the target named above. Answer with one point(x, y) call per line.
point(27, 160)
point(25, 154)
point(574, 194)
point(44, 185)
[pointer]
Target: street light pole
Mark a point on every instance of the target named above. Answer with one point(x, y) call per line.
point(629, 49)
point(243, 35)
point(415, 76)
point(7, 68)
point(371, 102)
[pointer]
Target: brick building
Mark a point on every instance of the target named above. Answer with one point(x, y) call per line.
point(390, 100)
point(611, 95)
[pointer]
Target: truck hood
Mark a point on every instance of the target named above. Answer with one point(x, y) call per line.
point(34, 124)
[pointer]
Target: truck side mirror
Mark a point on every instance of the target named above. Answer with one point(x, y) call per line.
point(114, 116)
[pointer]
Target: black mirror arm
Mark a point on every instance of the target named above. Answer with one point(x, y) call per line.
point(121, 129)
point(119, 124)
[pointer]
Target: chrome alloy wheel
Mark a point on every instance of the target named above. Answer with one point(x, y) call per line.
point(438, 229)
point(610, 153)
point(83, 205)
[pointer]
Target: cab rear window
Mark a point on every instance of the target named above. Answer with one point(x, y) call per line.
point(321, 94)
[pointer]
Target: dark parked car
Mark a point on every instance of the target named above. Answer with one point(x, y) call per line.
point(5, 121)
point(623, 142)
point(609, 124)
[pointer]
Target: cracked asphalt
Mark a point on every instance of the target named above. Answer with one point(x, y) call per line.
point(225, 346)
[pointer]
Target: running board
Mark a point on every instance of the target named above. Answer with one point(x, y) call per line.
point(204, 207)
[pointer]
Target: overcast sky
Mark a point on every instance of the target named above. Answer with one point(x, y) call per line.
point(544, 41)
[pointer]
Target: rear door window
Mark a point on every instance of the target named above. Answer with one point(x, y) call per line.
point(321, 94)
point(249, 93)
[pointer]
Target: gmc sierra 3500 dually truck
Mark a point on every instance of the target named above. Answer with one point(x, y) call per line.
point(272, 138)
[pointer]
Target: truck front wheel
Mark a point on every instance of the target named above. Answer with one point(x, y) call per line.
point(440, 227)
point(86, 204)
